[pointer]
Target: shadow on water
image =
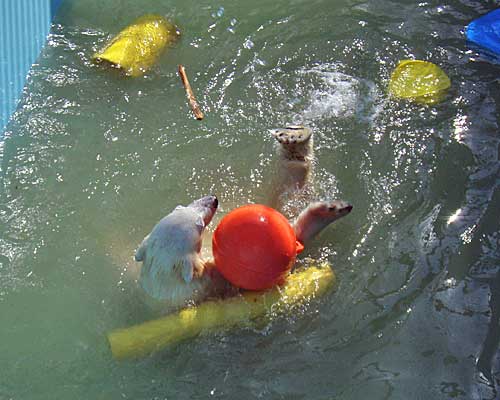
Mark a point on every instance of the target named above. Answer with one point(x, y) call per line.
point(91, 161)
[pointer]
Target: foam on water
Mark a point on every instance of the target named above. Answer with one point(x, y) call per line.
point(339, 95)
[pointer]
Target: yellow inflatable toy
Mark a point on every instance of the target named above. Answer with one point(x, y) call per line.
point(220, 315)
point(419, 81)
point(136, 48)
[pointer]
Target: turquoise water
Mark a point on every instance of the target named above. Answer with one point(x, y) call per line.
point(91, 161)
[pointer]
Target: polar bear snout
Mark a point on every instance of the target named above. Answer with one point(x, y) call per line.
point(331, 209)
point(340, 207)
point(206, 206)
point(206, 202)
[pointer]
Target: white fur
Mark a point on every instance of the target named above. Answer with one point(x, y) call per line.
point(172, 270)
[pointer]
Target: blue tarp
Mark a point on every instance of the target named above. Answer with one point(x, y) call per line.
point(24, 26)
point(485, 32)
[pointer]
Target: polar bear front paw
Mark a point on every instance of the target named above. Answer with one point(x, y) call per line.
point(291, 135)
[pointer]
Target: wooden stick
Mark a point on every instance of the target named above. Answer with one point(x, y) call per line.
point(190, 95)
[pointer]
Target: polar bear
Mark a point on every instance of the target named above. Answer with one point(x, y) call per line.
point(173, 272)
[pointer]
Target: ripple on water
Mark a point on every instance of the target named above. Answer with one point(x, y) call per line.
point(91, 161)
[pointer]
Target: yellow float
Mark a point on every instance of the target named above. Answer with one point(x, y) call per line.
point(219, 315)
point(136, 48)
point(419, 81)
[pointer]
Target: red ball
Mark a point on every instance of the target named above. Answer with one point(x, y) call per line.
point(255, 247)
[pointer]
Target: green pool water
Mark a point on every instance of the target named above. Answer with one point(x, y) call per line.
point(91, 161)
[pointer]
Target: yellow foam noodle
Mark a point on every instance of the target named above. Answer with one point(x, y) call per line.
point(219, 315)
point(137, 47)
point(419, 81)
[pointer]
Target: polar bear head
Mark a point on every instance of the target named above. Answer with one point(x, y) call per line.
point(171, 252)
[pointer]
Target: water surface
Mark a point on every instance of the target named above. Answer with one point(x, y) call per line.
point(90, 161)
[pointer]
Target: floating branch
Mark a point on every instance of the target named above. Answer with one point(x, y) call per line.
point(190, 95)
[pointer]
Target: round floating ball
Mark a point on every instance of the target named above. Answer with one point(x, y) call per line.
point(420, 81)
point(255, 247)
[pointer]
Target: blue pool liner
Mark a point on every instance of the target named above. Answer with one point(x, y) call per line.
point(484, 34)
point(24, 26)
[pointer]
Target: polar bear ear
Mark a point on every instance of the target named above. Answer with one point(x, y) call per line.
point(139, 254)
point(200, 223)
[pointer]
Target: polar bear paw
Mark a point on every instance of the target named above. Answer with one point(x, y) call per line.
point(292, 135)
